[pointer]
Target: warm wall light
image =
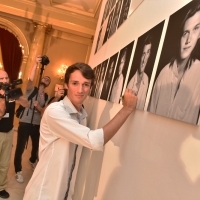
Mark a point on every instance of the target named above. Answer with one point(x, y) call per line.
point(61, 71)
point(1, 66)
point(20, 75)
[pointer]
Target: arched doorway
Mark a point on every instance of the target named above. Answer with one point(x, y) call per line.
point(13, 30)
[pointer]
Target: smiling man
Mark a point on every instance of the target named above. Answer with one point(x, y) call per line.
point(63, 133)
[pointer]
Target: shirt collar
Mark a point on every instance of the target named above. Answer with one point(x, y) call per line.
point(72, 110)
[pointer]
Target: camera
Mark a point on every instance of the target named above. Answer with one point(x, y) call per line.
point(9, 92)
point(45, 60)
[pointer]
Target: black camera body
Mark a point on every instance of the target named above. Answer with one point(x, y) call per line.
point(9, 92)
point(45, 60)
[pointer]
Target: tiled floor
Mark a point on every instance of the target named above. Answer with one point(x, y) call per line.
point(15, 189)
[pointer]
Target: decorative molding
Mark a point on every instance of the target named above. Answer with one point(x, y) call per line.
point(71, 37)
point(64, 9)
point(17, 32)
point(50, 20)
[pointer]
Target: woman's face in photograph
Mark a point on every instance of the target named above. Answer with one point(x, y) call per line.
point(190, 36)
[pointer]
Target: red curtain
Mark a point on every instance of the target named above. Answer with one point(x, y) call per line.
point(11, 53)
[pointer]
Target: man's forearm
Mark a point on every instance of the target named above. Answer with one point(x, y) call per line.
point(115, 124)
point(32, 72)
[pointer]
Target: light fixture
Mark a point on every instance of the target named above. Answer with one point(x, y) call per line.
point(22, 48)
point(61, 71)
point(20, 75)
point(1, 66)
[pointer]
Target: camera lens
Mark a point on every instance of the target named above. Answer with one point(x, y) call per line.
point(45, 60)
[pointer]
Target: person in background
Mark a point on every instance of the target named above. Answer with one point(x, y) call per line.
point(140, 81)
point(176, 91)
point(117, 86)
point(7, 111)
point(29, 122)
point(59, 95)
point(63, 133)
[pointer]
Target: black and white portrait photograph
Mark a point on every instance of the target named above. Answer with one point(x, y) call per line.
point(100, 82)
point(124, 12)
point(108, 24)
point(96, 73)
point(114, 23)
point(176, 91)
point(106, 12)
point(101, 35)
point(120, 73)
point(98, 40)
point(143, 63)
point(112, 3)
point(109, 77)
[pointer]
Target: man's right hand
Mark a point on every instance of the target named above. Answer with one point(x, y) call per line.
point(129, 100)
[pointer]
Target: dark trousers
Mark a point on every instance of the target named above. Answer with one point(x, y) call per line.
point(24, 131)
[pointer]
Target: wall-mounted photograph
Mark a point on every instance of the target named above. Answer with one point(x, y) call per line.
point(124, 12)
point(99, 87)
point(115, 19)
point(108, 24)
point(109, 77)
point(106, 12)
point(120, 73)
point(96, 73)
point(98, 45)
point(143, 63)
point(176, 91)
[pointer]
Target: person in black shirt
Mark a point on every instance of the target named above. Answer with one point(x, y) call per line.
point(7, 111)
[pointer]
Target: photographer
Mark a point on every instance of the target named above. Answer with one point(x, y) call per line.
point(29, 120)
point(7, 110)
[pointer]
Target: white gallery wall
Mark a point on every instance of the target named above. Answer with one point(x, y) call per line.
point(151, 157)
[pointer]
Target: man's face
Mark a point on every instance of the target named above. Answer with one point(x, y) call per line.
point(4, 77)
point(191, 32)
point(144, 58)
point(78, 88)
point(45, 81)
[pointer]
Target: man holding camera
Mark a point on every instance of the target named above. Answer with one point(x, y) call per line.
point(29, 121)
point(7, 111)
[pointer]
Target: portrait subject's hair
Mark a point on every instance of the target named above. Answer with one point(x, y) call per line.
point(148, 40)
point(85, 70)
point(192, 11)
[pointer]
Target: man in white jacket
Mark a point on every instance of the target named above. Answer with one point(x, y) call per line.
point(63, 133)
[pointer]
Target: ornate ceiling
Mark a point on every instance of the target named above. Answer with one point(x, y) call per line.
point(74, 16)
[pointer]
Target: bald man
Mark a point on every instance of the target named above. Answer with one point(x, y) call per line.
point(7, 111)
